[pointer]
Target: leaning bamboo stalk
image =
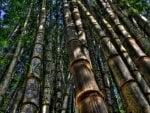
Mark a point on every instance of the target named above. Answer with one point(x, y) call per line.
point(16, 98)
point(112, 103)
point(7, 78)
point(128, 87)
point(96, 68)
point(139, 57)
point(12, 88)
point(32, 91)
point(142, 21)
point(79, 26)
point(86, 87)
point(136, 74)
point(78, 22)
point(14, 32)
point(86, 41)
point(144, 42)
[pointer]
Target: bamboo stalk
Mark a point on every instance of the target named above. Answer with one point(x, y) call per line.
point(32, 91)
point(88, 96)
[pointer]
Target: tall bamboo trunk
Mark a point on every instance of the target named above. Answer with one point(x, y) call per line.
point(128, 87)
point(112, 102)
point(96, 68)
point(30, 103)
point(85, 38)
point(88, 96)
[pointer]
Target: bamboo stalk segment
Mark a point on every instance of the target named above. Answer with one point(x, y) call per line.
point(142, 21)
point(76, 50)
point(30, 103)
point(86, 87)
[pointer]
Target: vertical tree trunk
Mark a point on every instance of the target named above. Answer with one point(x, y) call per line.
point(30, 103)
point(88, 96)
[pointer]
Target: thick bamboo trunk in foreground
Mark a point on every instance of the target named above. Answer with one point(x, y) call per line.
point(88, 96)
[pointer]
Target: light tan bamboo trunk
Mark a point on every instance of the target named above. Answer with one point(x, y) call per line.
point(88, 96)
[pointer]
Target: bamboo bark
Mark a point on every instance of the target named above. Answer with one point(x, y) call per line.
point(30, 102)
point(86, 87)
point(47, 94)
point(143, 22)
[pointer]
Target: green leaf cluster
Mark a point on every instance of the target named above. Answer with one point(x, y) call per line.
point(138, 5)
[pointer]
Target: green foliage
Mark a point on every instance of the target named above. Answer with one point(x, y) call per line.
point(138, 5)
point(2, 61)
point(3, 42)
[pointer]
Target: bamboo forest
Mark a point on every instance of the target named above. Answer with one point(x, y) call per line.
point(74, 56)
